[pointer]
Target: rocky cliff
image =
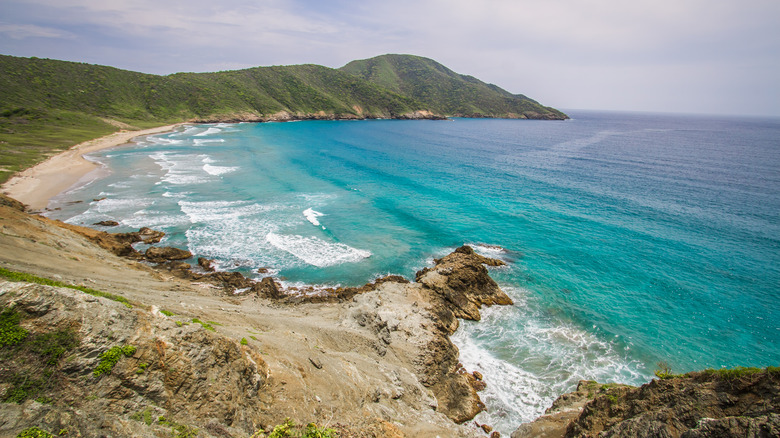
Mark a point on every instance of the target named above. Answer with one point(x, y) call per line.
point(722, 403)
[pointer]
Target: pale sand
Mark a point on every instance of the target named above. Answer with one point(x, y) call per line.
point(37, 185)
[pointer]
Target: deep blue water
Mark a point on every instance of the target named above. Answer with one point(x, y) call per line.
point(631, 238)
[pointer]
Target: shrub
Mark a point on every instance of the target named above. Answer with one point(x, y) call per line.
point(10, 332)
point(34, 432)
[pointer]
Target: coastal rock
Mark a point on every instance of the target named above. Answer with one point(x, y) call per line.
point(167, 253)
point(11, 202)
point(168, 373)
point(120, 244)
point(268, 288)
point(107, 223)
point(463, 282)
point(457, 286)
point(740, 404)
point(206, 264)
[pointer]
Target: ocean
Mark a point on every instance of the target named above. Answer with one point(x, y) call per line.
point(630, 238)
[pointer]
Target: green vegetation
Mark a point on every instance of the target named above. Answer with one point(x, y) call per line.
point(30, 360)
point(10, 332)
point(142, 367)
point(205, 325)
point(145, 416)
point(290, 429)
point(110, 358)
point(21, 276)
point(50, 105)
point(178, 430)
point(664, 371)
point(443, 91)
point(740, 372)
point(244, 341)
point(34, 432)
point(167, 313)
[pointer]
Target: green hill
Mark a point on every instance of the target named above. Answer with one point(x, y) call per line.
point(47, 105)
point(443, 91)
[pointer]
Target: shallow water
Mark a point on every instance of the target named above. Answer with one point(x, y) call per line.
point(630, 238)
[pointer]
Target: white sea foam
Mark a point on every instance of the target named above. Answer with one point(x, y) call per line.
point(233, 232)
point(216, 211)
point(200, 141)
point(315, 251)
point(181, 169)
point(218, 170)
point(212, 130)
point(189, 131)
point(528, 359)
point(312, 215)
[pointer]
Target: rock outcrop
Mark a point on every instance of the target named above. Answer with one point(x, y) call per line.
point(190, 376)
point(165, 254)
point(735, 404)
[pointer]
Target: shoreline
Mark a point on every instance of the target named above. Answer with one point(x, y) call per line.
point(37, 185)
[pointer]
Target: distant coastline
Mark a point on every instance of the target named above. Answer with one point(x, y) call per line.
point(36, 185)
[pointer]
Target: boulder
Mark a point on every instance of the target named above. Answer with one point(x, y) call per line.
point(206, 264)
point(165, 254)
point(268, 288)
point(107, 223)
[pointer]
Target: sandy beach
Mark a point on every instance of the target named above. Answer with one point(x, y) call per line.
point(37, 185)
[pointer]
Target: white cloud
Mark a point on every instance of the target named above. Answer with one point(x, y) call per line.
point(22, 31)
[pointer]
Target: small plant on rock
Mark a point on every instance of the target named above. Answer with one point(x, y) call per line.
point(110, 358)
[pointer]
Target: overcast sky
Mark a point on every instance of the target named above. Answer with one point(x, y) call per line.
point(698, 56)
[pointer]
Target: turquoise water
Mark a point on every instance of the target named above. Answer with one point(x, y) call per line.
point(630, 238)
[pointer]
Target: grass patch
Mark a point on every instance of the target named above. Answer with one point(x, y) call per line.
point(178, 430)
point(290, 429)
point(145, 416)
point(29, 278)
point(729, 374)
point(110, 358)
point(34, 432)
point(244, 341)
point(167, 312)
point(205, 325)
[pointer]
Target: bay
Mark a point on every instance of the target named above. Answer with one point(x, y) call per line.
point(630, 238)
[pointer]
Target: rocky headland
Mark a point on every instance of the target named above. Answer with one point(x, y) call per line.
point(218, 354)
point(228, 355)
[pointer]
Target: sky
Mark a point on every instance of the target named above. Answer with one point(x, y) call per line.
point(685, 56)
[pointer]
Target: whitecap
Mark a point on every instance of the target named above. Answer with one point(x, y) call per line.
point(218, 170)
point(312, 215)
point(315, 251)
point(209, 131)
point(200, 141)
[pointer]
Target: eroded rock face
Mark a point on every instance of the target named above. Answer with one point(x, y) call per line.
point(697, 405)
point(173, 371)
point(458, 285)
point(464, 284)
